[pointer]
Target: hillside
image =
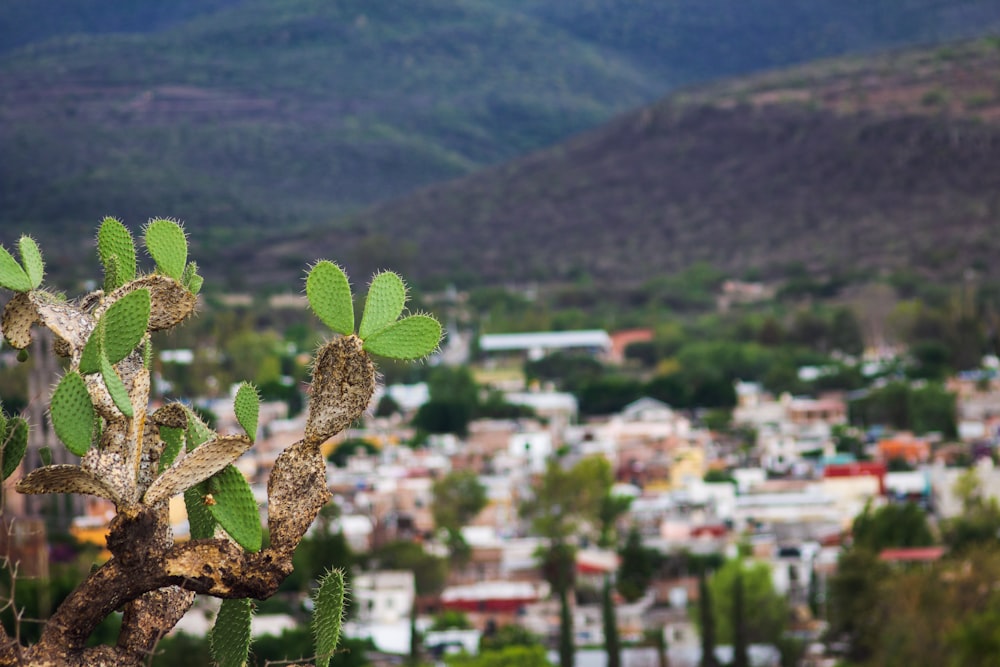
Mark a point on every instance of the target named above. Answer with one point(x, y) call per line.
point(850, 165)
point(255, 114)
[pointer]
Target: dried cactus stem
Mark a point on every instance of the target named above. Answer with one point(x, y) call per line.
point(342, 386)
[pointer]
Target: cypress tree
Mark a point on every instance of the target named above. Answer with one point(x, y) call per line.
point(740, 656)
point(611, 643)
point(707, 622)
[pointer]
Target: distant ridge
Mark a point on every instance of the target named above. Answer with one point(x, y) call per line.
point(862, 164)
point(253, 115)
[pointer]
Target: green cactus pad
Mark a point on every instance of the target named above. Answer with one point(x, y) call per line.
point(15, 442)
point(384, 303)
point(230, 636)
point(235, 508)
point(116, 249)
point(167, 245)
point(200, 521)
point(247, 408)
point(73, 413)
point(198, 433)
point(328, 615)
point(116, 388)
point(409, 338)
point(329, 294)
point(147, 354)
point(173, 441)
point(125, 324)
point(90, 358)
point(12, 276)
point(31, 258)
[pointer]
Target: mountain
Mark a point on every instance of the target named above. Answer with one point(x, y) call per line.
point(247, 116)
point(866, 164)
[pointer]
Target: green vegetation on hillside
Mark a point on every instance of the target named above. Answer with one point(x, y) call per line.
point(311, 110)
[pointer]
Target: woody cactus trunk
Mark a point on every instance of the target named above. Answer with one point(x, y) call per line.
point(139, 459)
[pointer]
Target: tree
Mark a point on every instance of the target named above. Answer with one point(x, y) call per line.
point(612, 508)
point(638, 565)
point(510, 656)
point(853, 597)
point(706, 615)
point(457, 498)
point(512, 634)
point(767, 621)
point(562, 501)
point(740, 657)
point(896, 525)
point(139, 460)
point(454, 397)
point(979, 523)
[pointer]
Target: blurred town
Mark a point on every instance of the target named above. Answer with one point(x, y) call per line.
point(447, 493)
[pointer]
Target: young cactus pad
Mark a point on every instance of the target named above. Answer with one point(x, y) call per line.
point(384, 304)
point(382, 332)
point(235, 508)
point(116, 249)
point(12, 276)
point(328, 616)
point(247, 408)
point(230, 636)
point(31, 258)
point(329, 295)
point(167, 245)
point(13, 441)
point(73, 413)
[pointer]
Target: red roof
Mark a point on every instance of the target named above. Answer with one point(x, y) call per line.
point(911, 554)
point(859, 469)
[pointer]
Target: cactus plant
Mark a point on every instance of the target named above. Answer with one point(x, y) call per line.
point(230, 636)
point(328, 616)
point(13, 442)
point(139, 459)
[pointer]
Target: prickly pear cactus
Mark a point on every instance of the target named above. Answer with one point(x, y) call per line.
point(73, 413)
point(247, 408)
point(328, 615)
point(233, 507)
point(139, 459)
point(230, 636)
point(13, 442)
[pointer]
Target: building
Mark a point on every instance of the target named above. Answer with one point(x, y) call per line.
point(540, 344)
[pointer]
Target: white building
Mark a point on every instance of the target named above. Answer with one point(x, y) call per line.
point(539, 344)
point(384, 597)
